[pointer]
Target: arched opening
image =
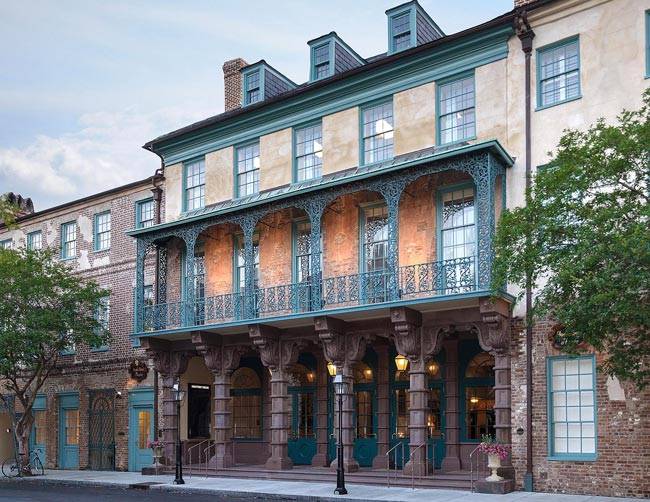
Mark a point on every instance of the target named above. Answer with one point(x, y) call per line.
point(246, 392)
point(478, 396)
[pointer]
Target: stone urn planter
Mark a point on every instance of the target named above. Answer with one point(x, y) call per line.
point(157, 455)
point(496, 452)
point(494, 462)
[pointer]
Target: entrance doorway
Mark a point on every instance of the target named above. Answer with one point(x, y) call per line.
point(69, 431)
point(302, 392)
point(39, 429)
point(365, 409)
point(101, 430)
point(141, 428)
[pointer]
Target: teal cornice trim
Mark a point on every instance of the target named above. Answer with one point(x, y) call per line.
point(492, 145)
point(329, 312)
point(381, 81)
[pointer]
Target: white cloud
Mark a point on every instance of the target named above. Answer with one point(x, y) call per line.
point(105, 152)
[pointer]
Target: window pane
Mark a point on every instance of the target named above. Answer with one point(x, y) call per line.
point(144, 428)
point(195, 185)
point(378, 133)
point(248, 165)
point(145, 214)
point(72, 427)
point(309, 152)
point(559, 73)
point(479, 411)
point(103, 231)
point(456, 109)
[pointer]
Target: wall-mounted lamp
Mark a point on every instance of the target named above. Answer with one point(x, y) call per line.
point(331, 369)
point(401, 363)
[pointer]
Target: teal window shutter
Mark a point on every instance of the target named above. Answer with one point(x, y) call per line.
point(558, 73)
point(572, 408)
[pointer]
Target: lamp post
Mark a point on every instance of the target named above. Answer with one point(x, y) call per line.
point(178, 396)
point(339, 390)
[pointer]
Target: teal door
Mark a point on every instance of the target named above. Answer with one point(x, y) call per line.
point(399, 424)
point(141, 428)
point(365, 409)
point(436, 423)
point(302, 442)
point(39, 429)
point(69, 431)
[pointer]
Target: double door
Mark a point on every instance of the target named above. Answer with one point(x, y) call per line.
point(302, 440)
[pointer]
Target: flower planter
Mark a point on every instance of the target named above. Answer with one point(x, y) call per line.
point(157, 455)
point(494, 462)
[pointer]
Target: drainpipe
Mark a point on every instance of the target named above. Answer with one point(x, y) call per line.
point(526, 35)
point(156, 180)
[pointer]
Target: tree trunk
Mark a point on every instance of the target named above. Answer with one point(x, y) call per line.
point(23, 429)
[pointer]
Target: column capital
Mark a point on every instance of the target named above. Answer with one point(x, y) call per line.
point(276, 353)
point(340, 346)
point(407, 325)
point(494, 334)
point(170, 363)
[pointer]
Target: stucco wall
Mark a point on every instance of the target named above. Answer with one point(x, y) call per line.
point(414, 118)
point(341, 140)
point(219, 175)
point(275, 159)
point(174, 191)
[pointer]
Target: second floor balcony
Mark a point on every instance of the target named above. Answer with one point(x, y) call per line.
point(416, 231)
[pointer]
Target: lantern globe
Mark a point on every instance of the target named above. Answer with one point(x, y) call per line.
point(331, 369)
point(401, 362)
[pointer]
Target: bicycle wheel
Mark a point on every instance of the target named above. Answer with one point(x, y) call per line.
point(10, 468)
point(37, 467)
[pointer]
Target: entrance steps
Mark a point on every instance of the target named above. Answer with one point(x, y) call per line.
point(459, 480)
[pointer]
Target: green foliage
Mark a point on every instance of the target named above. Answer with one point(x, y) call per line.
point(8, 212)
point(45, 308)
point(583, 242)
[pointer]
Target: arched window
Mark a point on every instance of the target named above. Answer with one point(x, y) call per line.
point(246, 392)
point(479, 396)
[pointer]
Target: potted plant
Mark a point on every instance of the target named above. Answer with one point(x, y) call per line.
point(496, 452)
point(157, 447)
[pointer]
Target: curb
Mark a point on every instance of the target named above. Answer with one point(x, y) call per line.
point(164, 487)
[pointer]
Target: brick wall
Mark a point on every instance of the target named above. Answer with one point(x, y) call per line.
point(232, 87)
point(623, 430)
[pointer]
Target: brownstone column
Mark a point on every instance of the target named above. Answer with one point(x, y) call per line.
point(494, 337)
point(221, 361)
point(451, 462)
point(277, 355)
point(320, 459)
point(383, 408)
point(171, 365)
point(343, 349)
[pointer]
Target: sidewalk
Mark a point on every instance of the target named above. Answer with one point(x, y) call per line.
point(294, 490)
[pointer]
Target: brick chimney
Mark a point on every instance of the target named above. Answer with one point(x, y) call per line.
point(232, 83)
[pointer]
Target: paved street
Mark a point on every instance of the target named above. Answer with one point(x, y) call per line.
point(66, 486)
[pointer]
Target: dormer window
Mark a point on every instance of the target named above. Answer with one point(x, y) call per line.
point(322, 61)
point(331, 55)
point(253, 87)
point(261, 81)
point(409, 26)
point(401, 30)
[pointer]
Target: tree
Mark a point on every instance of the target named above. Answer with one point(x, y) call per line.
point(8, 212)
point(45, 308)
point(583, 239)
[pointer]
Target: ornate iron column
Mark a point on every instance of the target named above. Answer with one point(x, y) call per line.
point(314, 209)
point(391, 189)
point(190, 236)
point(142, 246)
point(277, 355)
point(248, 222)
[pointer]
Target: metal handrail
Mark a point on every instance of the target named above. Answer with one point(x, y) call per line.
point(400, 444)
point(472, 457)
point(207, 460)
point(188, 455)
point(426, 462)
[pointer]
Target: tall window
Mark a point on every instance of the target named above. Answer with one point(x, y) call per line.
point(194, 185)
point(144, 213)
point(246, 392)
point(6, 244)
point(558, 73)
point(364, 400)
point(309, 152)
point(479, 397)
point(458, 237)
point(374, 250)
point(321, 61)
point(69, 240)
point(102, 315)
point(35, 240)
point(572, 407)
point(378, 133)
point(102, 233)
point(302, 264)
point(456, 110)
point(199, 284)
point(248, 170)
point(240, 270)
point(198, 411)
point(253, 94)
point(401, 31)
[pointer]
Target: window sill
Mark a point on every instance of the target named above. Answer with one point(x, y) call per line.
point(545, 107)
point(101, 250)
point(573, 458)
point(452, 144)
point(69, 258)
point(99, 349)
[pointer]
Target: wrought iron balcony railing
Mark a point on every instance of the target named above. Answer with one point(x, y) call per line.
point(424, 280)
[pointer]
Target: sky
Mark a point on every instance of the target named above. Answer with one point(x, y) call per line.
point(84, 84)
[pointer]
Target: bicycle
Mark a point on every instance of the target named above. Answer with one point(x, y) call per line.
point(11, 469)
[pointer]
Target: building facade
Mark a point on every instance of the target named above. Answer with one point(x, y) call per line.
point(345, 225)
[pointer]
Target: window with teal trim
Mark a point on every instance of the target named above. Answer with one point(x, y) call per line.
point(572, 407)
point(102, 315)
point(302, 265)
point(246, 392)
point(309, 152)
point(401, 31)
point(252, 88)
point(195, 185)
point(199, 283)
point(558, 73)
point(458, 223)
point(144, 213)
point(35, 240)
point(322, 61)
point(69, 240)
point(377, 129)
point(456, 105)
point(374, 252)
point(248, 170)
point(102, 233)
point(6, 244)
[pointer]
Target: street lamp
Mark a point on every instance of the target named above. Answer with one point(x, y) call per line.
point(339, 390)
point(178, 396)
point(331, 369)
